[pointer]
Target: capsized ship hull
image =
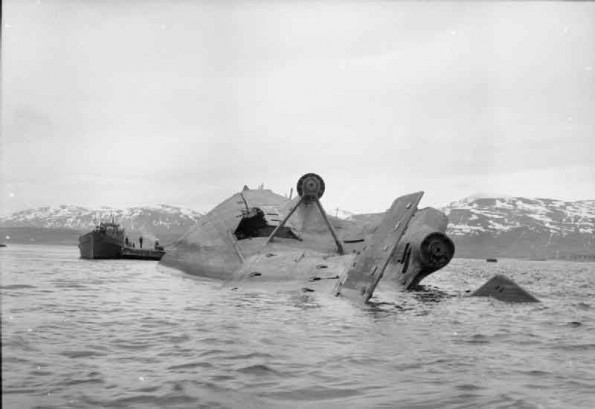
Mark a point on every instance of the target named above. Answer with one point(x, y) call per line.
point(257, 237)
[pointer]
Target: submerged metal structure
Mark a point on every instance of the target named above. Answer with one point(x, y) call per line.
point(257, 237)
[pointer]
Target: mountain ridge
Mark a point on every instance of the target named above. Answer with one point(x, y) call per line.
point(163, 222)
point(519, 227)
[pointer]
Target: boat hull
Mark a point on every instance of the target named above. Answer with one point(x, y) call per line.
point(95, 245)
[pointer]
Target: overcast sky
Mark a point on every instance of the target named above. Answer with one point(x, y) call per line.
point(123, 103)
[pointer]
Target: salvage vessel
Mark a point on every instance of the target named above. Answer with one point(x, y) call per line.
point(108, 241)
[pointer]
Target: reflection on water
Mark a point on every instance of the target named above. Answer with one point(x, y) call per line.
point(81, 333)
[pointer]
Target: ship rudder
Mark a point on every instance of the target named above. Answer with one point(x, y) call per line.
point(362, 277)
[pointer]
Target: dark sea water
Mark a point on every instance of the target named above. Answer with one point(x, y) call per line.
point(130, 334)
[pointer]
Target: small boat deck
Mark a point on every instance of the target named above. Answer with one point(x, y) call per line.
point(142, 254)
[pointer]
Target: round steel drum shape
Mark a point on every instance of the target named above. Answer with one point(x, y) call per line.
point(437, 250)
point(310, 186)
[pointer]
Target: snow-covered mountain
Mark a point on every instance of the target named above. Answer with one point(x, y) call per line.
point(161, 221)
point(522, 227)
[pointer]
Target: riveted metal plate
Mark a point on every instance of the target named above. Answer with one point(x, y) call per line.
point(390, 231)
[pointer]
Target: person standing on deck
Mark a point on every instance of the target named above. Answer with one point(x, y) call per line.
point(140, 241)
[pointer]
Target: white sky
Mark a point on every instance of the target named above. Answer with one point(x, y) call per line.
point(124, 103)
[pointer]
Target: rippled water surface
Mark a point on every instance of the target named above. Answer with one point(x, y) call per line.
point(118, 334)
